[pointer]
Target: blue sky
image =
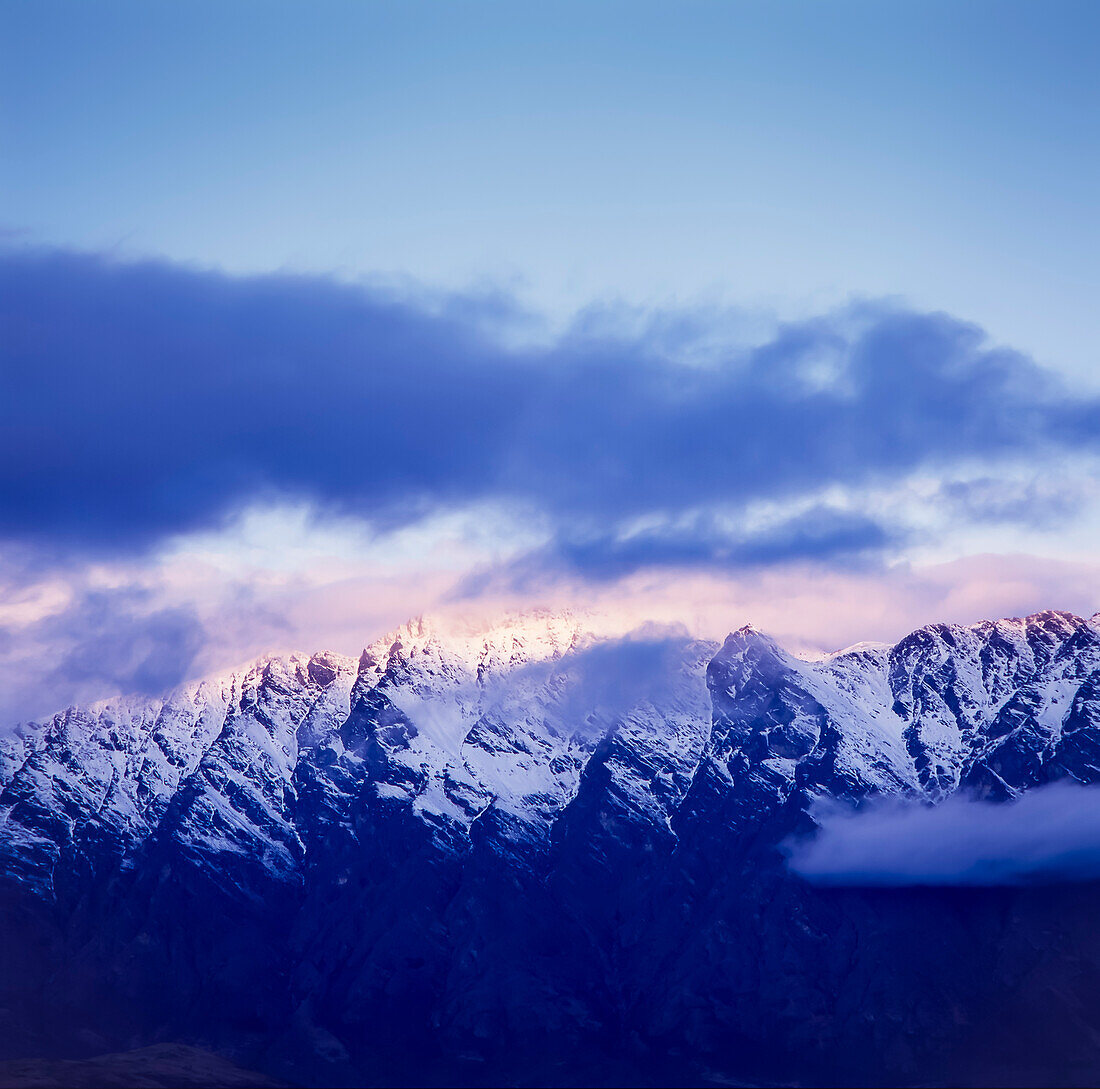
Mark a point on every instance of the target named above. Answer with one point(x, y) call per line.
point(320, 315)
point(781, 156)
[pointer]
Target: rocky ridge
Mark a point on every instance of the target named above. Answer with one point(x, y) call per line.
point(533, 839)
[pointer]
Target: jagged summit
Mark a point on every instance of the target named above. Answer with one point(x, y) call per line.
point(531, 634)
point(543, 810)
point(457, 717)
point(872, 647)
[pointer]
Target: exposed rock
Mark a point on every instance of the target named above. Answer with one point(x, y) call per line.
point(528, 854)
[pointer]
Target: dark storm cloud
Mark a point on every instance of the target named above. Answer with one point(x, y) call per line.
point(146, 399)
point(1050, 834)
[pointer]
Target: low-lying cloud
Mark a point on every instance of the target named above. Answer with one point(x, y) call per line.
point(1048, 835)
point(613, 676)
point(113, 639)
point(103, 642)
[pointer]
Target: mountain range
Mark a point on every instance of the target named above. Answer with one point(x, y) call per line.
point(541, 854)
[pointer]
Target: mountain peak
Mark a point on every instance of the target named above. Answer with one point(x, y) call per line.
point(466, 780)
point(749, 636)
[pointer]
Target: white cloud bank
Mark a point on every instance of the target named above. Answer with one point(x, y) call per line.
point(1049, 835)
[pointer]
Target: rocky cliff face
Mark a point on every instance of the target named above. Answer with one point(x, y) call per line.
point(538, 855)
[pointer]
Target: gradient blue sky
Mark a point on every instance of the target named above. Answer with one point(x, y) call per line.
point(774, 155)
point(319, 315)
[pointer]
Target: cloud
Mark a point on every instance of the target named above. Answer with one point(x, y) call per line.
point(147, 400)
point(821, 534)
point(612, 677)
point(325, 602)
point(1051, 834)
point(113, 640)
point(102, 642)
point(1033, 502)
point(674, 464)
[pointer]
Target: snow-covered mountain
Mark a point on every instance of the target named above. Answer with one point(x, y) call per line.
point(544, 852)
